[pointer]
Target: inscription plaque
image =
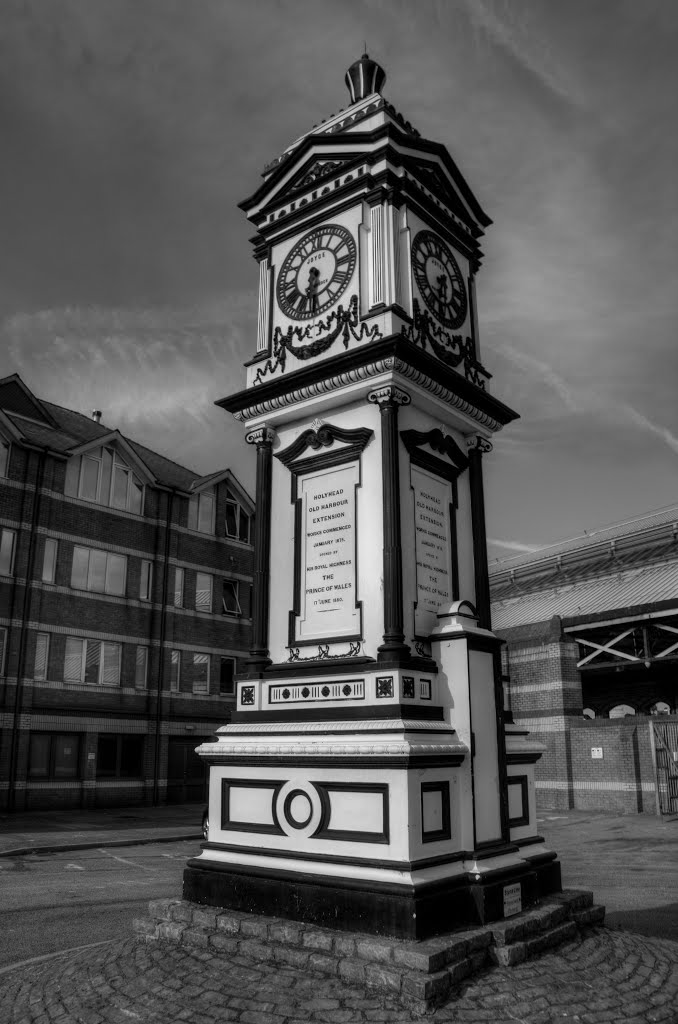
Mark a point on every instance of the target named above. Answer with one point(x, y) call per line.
point(327, 605)
point(432, 499)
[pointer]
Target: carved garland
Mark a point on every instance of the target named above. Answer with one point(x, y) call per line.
point(354, 649)
point(346, 323)
point(451, 349)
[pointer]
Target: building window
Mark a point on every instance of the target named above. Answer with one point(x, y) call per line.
point(41, 656)
point(4, 458)
point(178, 588)
point(7, 544)
point(175, 671)
point(201, 512)
point(227, 677)
point(107, 479)
point(3, 648)
point(203, 592)
point(120, 757)
point(127, 491)
point(92, 661)
point(201, 673)
point(54, 755)
point(90, 477)
point(231, 601)
point(146, 584)
point(101, 571)
point(238, 522)
point(49, 561)
point(141, 670)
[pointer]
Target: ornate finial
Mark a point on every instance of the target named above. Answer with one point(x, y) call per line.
point(364, 77)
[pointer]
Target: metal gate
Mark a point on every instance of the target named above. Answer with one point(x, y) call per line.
point(666, 757)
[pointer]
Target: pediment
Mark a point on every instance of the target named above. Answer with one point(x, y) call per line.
point(316, 173)
point(16, 398)
point(435, 450)
point(318, 170)
point(434, 178)
point(204, 483)
point(8, 430)
point(321, 436)
point(120, 444)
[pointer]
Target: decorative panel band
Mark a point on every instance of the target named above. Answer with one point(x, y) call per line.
point(350, 689)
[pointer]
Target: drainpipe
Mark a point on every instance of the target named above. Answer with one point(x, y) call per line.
point(163, 633)
point(21, 660)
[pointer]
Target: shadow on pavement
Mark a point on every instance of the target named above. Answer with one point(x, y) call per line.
point(655, 922)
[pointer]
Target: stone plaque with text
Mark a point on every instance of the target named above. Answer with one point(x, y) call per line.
point(328, 598)
point(432, 499)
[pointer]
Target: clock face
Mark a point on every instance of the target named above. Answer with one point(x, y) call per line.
point(316, 272)
point(439, 279)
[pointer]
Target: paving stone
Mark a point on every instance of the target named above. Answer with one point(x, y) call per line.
point(127, 982)
point(315, 939)
point(322, 963)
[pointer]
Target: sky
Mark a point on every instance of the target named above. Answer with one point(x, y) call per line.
point(132, 128)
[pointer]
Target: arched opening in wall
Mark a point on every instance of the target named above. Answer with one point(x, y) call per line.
point(588, 713)
point(622, 711)
point(660, 708)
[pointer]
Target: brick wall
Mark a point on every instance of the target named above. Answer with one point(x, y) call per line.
point(545, 695)
point(54, 707)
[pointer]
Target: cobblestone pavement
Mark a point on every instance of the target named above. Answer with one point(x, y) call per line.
point(608, 977)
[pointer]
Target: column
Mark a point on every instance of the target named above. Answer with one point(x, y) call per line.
point(476, 446)
point(259, 659)
point(389, 398)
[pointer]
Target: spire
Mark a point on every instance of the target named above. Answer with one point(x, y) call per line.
point(364, 77)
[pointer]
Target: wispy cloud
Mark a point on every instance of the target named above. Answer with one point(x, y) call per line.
point(507, 25)
point(654, 428)
point(512, 545)
point(545, 374)
point(154, 373)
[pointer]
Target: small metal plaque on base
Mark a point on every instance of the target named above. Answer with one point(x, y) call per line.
point(513, 903)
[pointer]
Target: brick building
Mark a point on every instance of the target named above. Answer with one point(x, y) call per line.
point(125, 594)
point(591, 663)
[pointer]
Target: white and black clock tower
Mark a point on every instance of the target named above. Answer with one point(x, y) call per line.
point(367, 779)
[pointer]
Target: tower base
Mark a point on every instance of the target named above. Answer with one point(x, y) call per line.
point(401, 912)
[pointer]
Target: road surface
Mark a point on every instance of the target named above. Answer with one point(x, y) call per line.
point(51, 902)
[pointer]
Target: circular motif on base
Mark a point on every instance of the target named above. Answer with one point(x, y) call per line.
point(298, 809)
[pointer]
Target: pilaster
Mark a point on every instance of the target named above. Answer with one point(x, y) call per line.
point(476, 446)
point(263, 438)
point(389, 399)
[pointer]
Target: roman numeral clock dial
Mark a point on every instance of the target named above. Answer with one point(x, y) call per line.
point(439, 279)
point(316, 272)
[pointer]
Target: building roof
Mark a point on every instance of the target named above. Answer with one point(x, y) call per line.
point(628, 528)
point(618, 592)
point(61, 430)
point(615, 568)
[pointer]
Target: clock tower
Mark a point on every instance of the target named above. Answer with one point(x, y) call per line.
point(367, 779)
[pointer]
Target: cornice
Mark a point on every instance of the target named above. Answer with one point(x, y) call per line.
point(332, 144)
point(392, 354)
